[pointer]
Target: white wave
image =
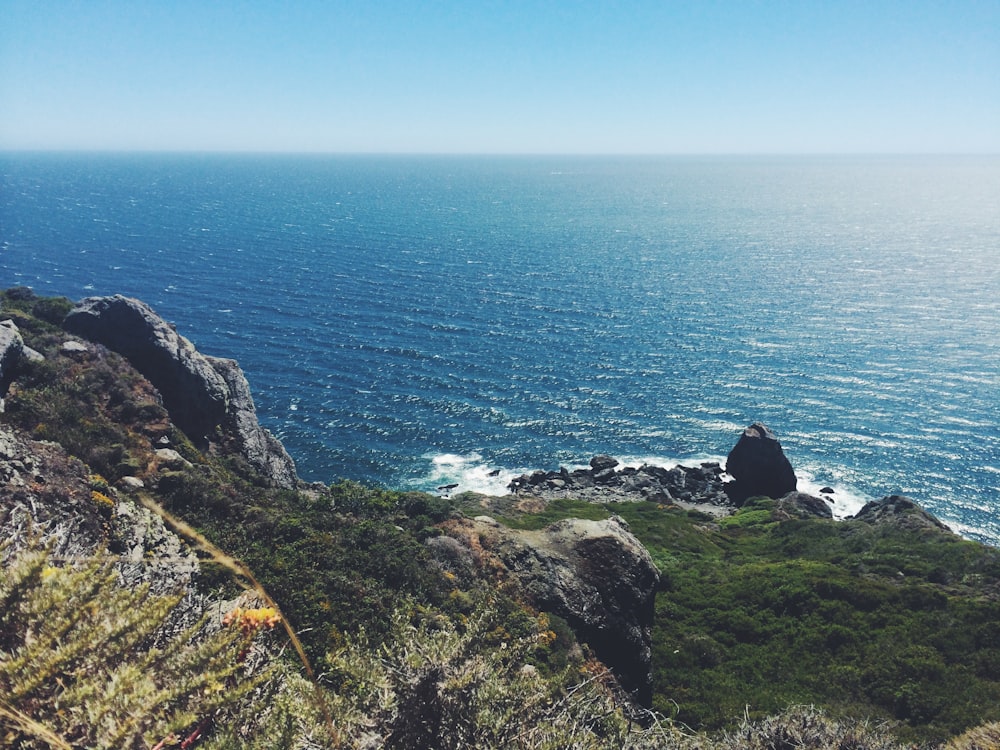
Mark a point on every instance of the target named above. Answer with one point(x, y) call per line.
point(669, 462)
point(844, 501)
point(469, 473)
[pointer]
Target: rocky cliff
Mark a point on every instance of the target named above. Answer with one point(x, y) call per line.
point(594, 574)
point(886, 615)
point(207, 397)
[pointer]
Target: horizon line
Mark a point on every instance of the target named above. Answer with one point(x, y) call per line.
point(513, 154)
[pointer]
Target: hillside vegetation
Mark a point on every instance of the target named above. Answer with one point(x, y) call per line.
point(890, 631)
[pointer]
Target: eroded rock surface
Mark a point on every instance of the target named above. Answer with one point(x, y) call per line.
point(594, 574)
point(11, 352)
point(202, 394)
point(899, 511)
point(47, 498)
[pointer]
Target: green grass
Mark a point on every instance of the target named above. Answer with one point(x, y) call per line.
point(754, 615)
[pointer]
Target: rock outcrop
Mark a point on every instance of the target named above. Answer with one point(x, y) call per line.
point(901, 512)
point(603, 481)
point(259, 447)
point(11, 352)
point(48, 498)
point(594, 574)
point(205, 396)
point(801, 505)
point(758, 466)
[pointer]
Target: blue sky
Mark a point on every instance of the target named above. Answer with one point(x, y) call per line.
point(485, 76)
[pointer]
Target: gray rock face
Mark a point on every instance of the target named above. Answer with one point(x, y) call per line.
point(801, 505)
point(11, 353)
point(202, 394)
point(259, 447)
point(193, 392)
point(594, 574)
point(758, 466)
point(902, 512)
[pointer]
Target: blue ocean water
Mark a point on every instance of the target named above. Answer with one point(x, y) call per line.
point(416, 321)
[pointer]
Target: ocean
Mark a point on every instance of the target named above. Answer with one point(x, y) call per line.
point(419, 321)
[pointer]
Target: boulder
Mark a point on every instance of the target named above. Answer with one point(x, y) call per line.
point(193, 393)
point(11, 353)
point(594, 574)
point(203, 395)
point(901, 512)
point(801, 505)
point(601, 462)
point(758, 466)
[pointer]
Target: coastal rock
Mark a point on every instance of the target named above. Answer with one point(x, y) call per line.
point(193, 392)
point(602, 462)
point(689, 486)
point(901, 512)
point(594, 574)
point(11, 354)
point(258, 446)
point(758, 466)
point(801, 505)
point(207, 398)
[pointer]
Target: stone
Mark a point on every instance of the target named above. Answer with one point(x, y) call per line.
point(73, 348)
point(758, 466)
point(902, 512)
point(693, 487)
point(594, 574)
point(802, 505)
point(11, 353)
point(170, 460)
point(602, 462)
point(193, 393)
point(30, 355)
point(208, 398)
point(259, 447)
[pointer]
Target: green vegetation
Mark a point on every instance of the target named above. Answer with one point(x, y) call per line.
point(755, 612)
point(87, 663)
point(754, 615)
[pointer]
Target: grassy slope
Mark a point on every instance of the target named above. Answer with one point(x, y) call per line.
point(752, 613)
point(755, 615)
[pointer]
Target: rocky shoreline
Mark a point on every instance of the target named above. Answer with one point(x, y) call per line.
point(756, 466)
point(606, 480)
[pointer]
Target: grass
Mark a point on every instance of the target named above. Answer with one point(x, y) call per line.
point(753, 613)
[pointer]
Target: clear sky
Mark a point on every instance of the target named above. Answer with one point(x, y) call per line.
point(491, 76)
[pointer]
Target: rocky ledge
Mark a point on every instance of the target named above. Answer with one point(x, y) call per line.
point(208, 398)
point(594, 574)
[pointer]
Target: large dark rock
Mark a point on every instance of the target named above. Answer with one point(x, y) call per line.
point(594, 574)
point(758, 466)
point(206, 397)
point(801, 505)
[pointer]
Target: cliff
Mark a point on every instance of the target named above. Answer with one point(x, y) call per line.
point(207, 398)
point(479, 621)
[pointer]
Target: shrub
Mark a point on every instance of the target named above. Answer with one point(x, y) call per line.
point(87, 663)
